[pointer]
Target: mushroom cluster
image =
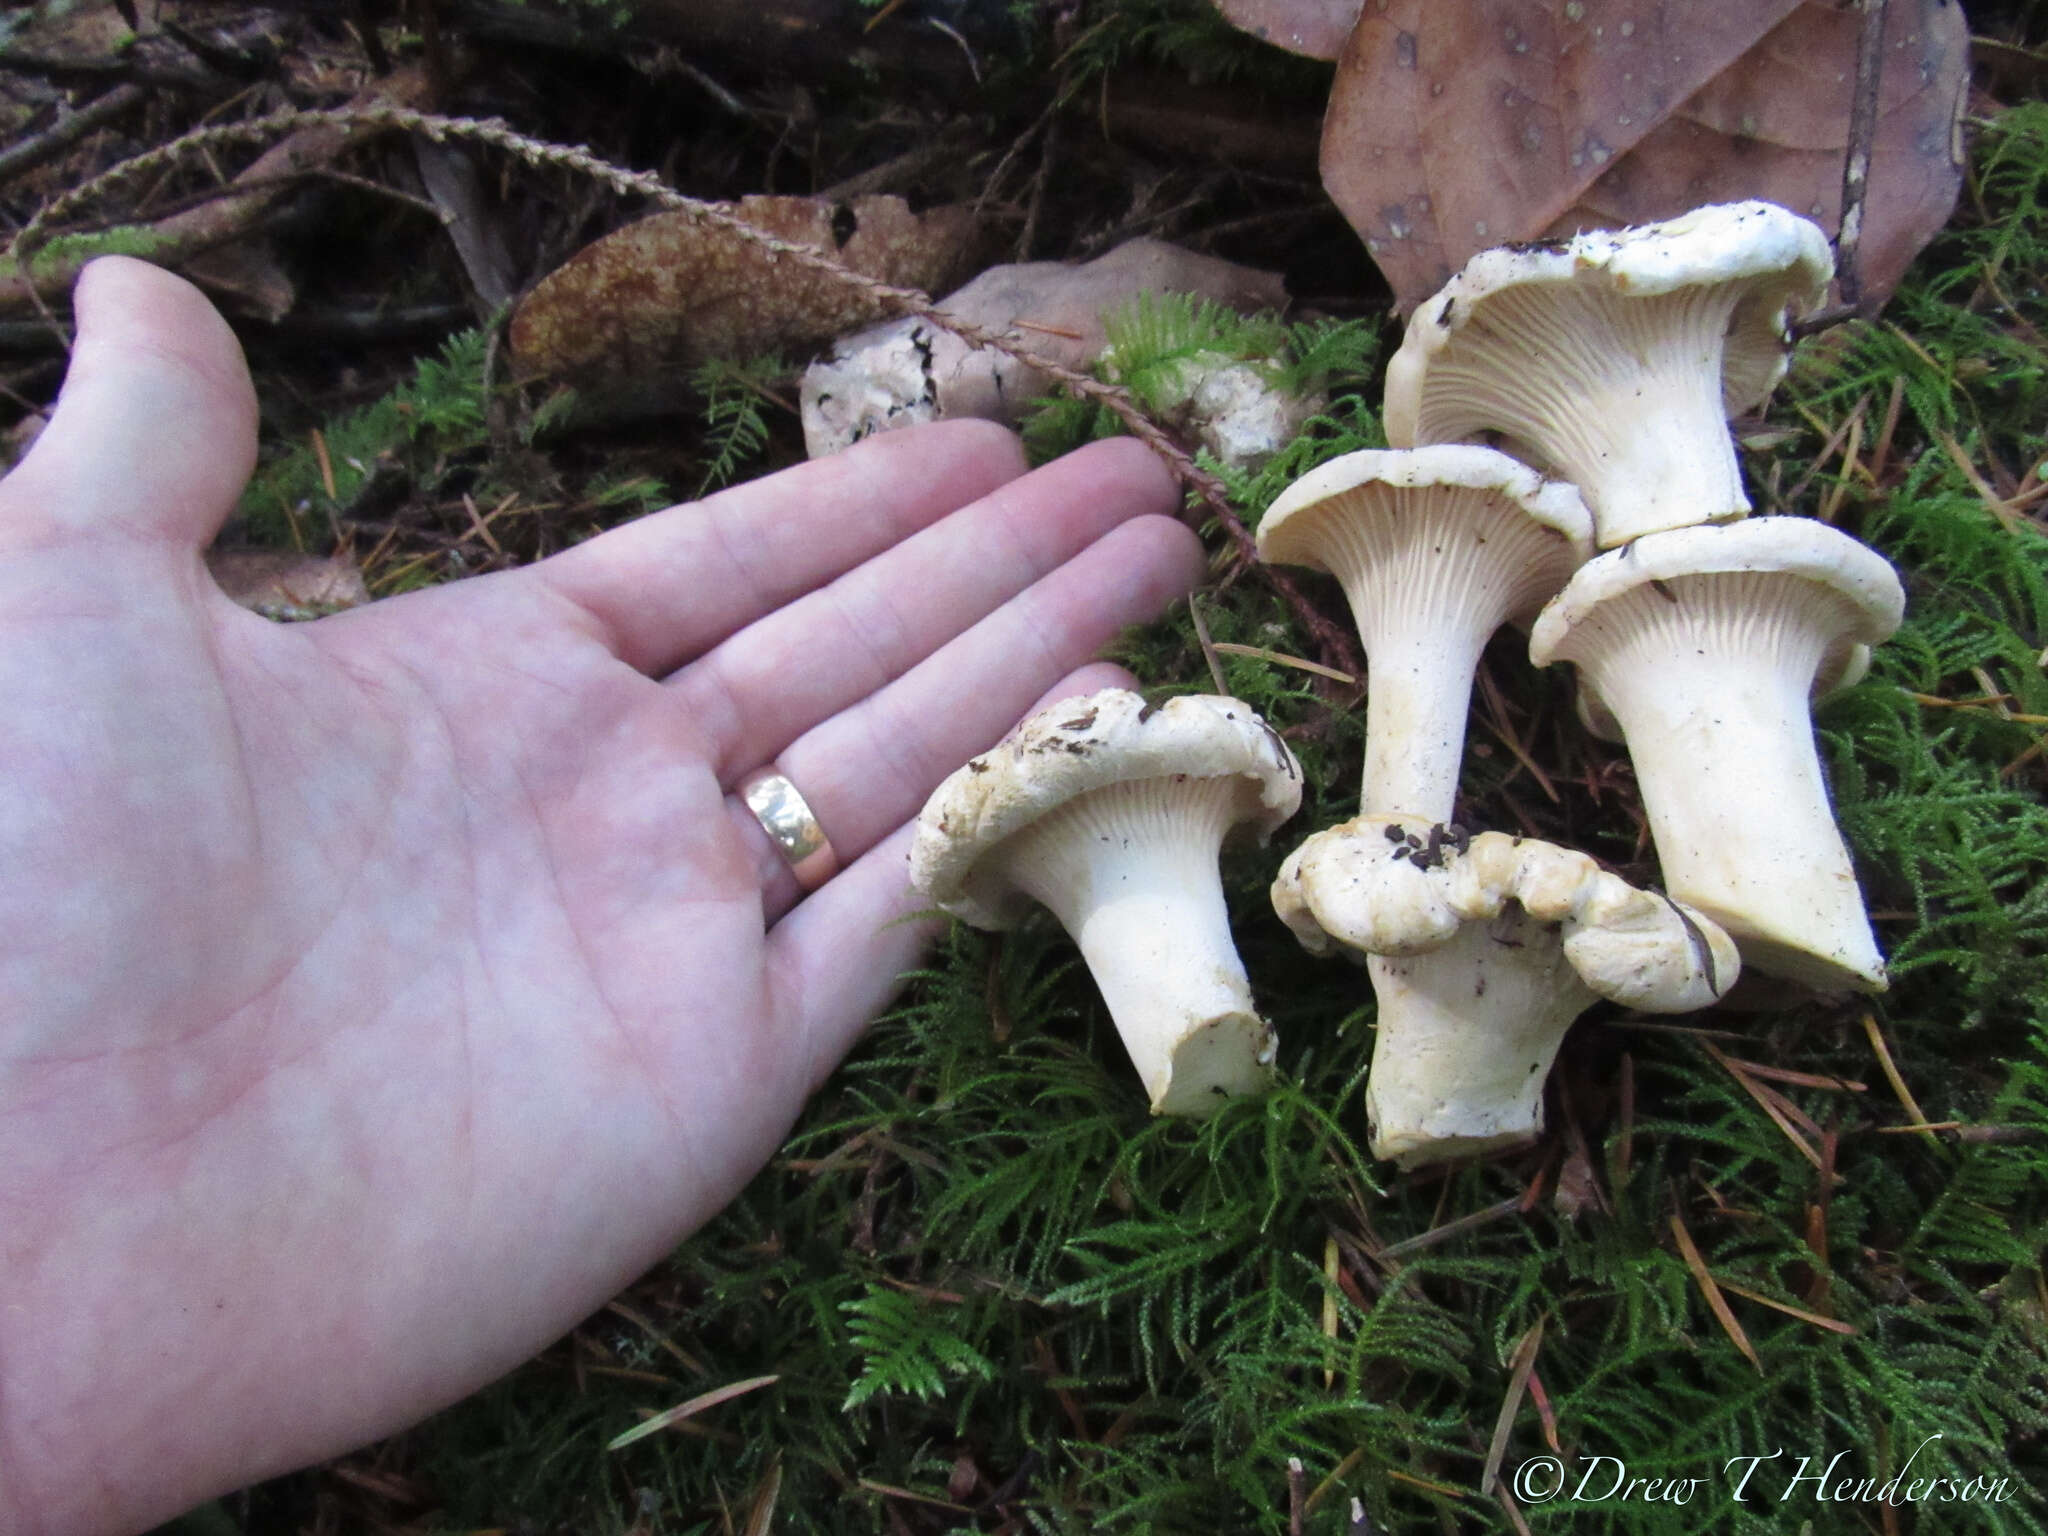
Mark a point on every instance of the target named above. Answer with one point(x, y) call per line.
point(1606, 367)
point(1615, 530)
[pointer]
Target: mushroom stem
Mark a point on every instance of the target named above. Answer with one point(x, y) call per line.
point(1419, 694)
point(1705, 645)
point(1430, 569)
point(1466, 1037)
point(1724, 751)
point(1131, 874)
point(1481, 954)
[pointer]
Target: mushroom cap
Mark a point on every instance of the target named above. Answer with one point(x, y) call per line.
point(1794, 546)
point(1287, 532)
point(1395, 885)
point(1785, 260)
point(1079, 745)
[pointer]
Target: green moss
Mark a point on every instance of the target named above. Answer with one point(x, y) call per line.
point(67, 253)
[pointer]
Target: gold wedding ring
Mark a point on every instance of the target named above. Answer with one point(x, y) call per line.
point(788, 821)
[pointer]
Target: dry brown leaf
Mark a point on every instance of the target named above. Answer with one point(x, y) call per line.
point(669, 291)
point(1315, 28)
point(1453, 128)
point(284, 584)
point(1776, 126)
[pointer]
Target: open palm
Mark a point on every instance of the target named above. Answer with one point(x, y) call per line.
point(379, 994)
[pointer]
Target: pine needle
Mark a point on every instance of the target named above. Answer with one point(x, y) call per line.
point(1338, 1473)
point(1450, 1229)
point(1514, 1514)
point(689, 1361)
point(1521, 1363)
point(1279, 659)
point(1208, 646)
point(326, 464)
point(1544, 1412)
point(1832, 1324)
point(1332, 1267)
point(1716, 1302)
point(1773, 1104)
point(1444, 1490)
point(1891, 1075)
point(1798, 1079)
point(761, 1518)
point(1996, 504)
point(891, 1491)
point(690, 1409)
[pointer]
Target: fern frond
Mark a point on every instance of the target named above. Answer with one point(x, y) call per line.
point(906, 1348)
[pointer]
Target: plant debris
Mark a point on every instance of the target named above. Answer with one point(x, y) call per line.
point(1456, 127)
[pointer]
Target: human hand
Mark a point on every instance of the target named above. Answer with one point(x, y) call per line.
point(378, 995)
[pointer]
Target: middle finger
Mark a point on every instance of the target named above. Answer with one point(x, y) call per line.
point(762, 688)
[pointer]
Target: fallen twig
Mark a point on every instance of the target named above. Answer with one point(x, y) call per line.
point(1207, 489)
point(307, 141)
point(1856, 165)
point(68, 130)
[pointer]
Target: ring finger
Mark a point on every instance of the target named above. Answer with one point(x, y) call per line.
point(766, 685)
point(867, 769)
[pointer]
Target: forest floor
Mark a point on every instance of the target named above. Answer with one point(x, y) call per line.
point(993, 1292)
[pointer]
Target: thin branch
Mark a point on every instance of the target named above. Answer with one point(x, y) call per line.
point(1856, 167)
point(68, 130)
point(1207, 489)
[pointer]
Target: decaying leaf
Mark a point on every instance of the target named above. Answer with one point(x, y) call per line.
point(670, 291)
point(1455, 127)
point(1314, 28)
point(282, 585)
point(909, 370)
point(1778, 121)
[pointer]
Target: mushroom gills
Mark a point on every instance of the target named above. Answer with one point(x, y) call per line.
point(1620, 396)
point(1615, 358)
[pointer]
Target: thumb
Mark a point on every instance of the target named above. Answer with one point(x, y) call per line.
point(154, 434)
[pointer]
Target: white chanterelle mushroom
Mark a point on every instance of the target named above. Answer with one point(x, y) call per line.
point(1614, 359)
point(1111, 813)
point(1705, 644)
point(1483, 950)
point(1436, 548)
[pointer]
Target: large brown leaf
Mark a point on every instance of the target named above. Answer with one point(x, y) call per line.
point(1776, 126)
point(1457, 126)
point(671, 291)
point(1314, 28)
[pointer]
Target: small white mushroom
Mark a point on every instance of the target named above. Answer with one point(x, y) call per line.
point(1707, 645)
point(1482, 951)
point(1614, 359)
point(1231, 407)
point(908, 371)
point(1436, 548)
point(1112, 813)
